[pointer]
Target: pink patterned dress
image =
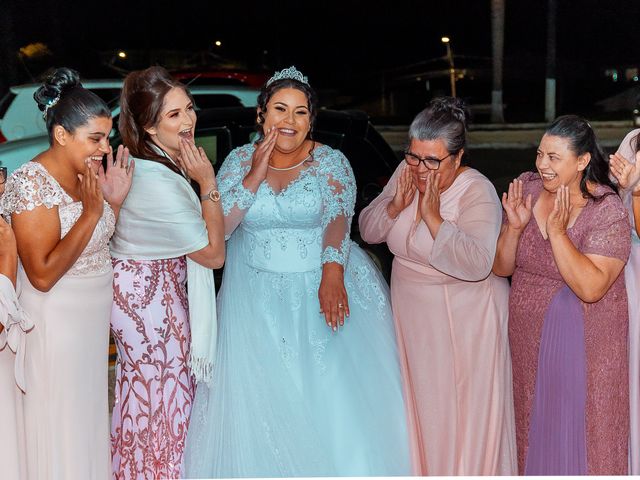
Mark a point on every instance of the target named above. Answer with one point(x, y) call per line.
point(154, 387)
point(602, 228)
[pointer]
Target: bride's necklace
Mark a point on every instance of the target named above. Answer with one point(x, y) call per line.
point(291, 167)
point(278, 169)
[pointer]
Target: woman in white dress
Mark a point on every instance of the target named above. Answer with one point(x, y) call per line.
point(63, 208)
point(13, 324)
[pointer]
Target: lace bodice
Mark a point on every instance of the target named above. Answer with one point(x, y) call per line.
point(298, 229)
point(32, 186)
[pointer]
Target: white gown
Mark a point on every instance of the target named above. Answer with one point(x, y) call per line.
point(66, 364)
point(12, 351)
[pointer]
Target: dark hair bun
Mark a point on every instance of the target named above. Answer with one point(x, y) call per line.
point(63, 79)
point(456, 107)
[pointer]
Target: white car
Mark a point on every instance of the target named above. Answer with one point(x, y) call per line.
point(23, 127)
point(21, 118)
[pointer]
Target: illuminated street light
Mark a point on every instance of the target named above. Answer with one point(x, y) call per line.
point(452, 69)
point(122, 54)
point(218, 43)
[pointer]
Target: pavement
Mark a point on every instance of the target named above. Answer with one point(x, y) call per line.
point(514, 135)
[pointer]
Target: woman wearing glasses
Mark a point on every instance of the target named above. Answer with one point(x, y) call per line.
point(441, 220)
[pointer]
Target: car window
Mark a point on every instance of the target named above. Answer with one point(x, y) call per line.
point(111, 96)
point(216, 143)
point(5, 102)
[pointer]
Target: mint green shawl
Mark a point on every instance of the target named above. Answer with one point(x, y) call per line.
point(162, 218)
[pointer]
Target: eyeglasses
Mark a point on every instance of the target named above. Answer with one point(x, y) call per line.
point(432, 163)
point(3, 175)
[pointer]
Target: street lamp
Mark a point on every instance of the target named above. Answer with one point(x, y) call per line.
point(452, 69)
point(218, 43)
point(122, 54)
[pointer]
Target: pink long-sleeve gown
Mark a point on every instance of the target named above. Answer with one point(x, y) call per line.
point(451, 322)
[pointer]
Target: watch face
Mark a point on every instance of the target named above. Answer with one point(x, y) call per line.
point(214, 195)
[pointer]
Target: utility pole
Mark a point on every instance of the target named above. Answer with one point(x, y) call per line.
point(550, 83)
point(452, 68)
point(497, 48)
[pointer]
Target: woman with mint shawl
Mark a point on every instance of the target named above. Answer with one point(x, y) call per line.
point(166, 237)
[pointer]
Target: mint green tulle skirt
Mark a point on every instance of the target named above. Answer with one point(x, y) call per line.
point(291, 398)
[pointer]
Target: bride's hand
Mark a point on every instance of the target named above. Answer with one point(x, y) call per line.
point(261, 156)
point(334, 303)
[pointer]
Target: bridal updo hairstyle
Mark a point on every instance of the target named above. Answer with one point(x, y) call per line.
point(267, 92)
point(446, 119)
point(65, 102)
point(141, 103)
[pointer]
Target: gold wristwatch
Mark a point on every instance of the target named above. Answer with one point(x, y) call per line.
point(213, 195)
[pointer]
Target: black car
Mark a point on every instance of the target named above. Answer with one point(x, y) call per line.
point(220, 130)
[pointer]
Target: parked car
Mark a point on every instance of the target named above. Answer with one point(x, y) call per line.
point(21, 118)
point(219, 130)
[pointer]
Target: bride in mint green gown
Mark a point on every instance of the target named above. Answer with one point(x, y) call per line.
point(291, 397)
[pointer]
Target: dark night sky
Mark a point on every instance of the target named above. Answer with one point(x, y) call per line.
point(332, 35)
point(334, 42)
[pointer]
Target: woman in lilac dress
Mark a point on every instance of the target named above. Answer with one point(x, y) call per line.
point(166, 235)
point(565, 239)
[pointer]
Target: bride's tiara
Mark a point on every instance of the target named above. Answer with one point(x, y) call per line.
point(286, 73)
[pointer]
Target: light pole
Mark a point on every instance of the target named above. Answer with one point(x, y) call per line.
point(452, 68)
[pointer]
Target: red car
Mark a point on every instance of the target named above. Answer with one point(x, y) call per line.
point(221, 77)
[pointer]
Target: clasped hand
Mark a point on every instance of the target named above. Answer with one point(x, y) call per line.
point(90, 193)
point(626, 173)
point(558, 219)
point(262, 155)
point(116, 181)
point(196, 164)
point(405, 191)
point(430, 202)
point(518, 210)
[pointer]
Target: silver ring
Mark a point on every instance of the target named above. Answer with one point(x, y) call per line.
point(340, 305)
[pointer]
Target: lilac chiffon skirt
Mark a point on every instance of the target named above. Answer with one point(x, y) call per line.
point(557, 433)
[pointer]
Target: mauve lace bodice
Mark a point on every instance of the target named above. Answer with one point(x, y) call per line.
point(32, 186)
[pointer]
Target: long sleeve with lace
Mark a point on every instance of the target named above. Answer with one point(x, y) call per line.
point(236, 199)
point(339, 196)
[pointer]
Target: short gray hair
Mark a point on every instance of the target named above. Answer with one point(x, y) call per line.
point(445, 118)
